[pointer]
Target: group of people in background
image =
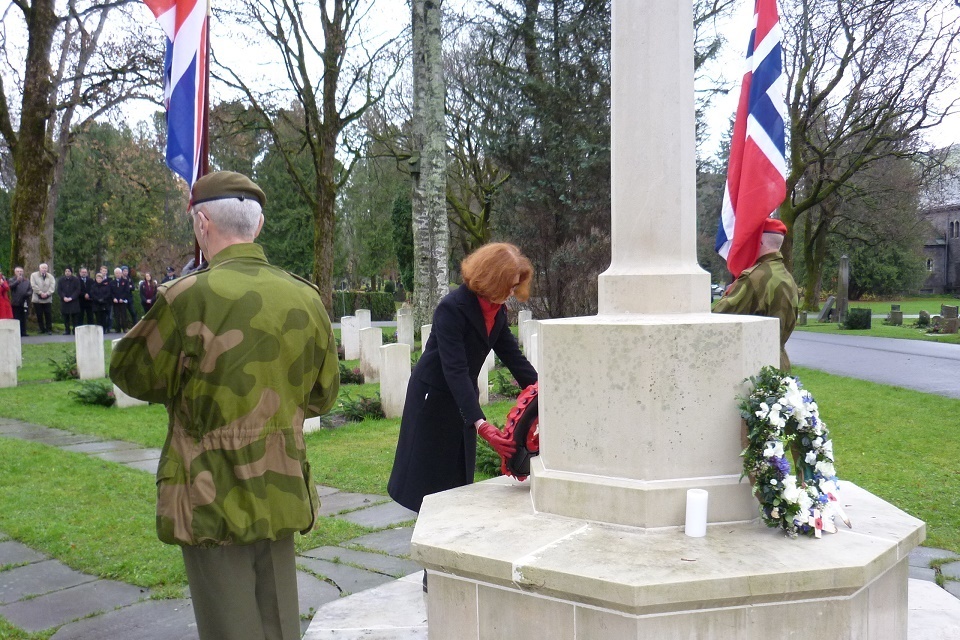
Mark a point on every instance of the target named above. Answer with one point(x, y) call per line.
point(84, 299)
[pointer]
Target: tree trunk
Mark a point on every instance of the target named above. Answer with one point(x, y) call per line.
point(33, 156)
point(430, 230)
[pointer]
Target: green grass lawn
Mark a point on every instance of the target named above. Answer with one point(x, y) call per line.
point(909, 306)
point(880, 330)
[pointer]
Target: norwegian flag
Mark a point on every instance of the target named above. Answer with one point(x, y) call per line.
point(185, 81)
point(756, 173)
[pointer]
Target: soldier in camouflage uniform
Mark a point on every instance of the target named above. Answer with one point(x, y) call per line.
point(240, 353)
point(766, 288)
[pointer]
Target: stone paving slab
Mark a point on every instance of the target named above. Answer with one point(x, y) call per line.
point(951, 570)
point(27, 431)
point(58, 608)
point(952, 587)
point(348, 579)
point(394, 611)
point(148, 620)
point(395, 542)
point(342, 501)
point(150, 466)
point(13, 552)
point(390, 514)
point(932, 613)
point(100, 447)
point(324, 490)
point(43, 434)
point(378, 562)
point(128, 455)
point(314, 593)
point(919, 573)
point(923, 556)
point(38, 578)
point(66, 440)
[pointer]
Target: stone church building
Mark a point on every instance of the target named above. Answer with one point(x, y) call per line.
point(942, 249)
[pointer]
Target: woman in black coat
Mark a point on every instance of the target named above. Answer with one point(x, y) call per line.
point(102, 297)
point(437, 448)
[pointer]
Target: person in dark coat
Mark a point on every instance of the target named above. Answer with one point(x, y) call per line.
point(86, 304)
point(69, 289)
point(102, 298)
point(442, 417)
point(148, 292)
point(171, 275)
point(20, 292)
point(131, 305)
point(121, 290)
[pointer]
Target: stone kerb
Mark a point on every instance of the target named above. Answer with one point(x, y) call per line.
point(9, 343)
point(350, 337)
point(483, 379)
point(522, 316)
point(91, 364)
point(123, 400)
point(371, 339)
point(405, 327)
point(14, 326)
point(425, 335)
point(363, 317)
point(394, 377)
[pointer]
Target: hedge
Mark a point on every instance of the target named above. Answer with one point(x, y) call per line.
point(346, 303)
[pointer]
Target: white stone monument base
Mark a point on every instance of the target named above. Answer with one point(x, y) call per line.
point(500, 570)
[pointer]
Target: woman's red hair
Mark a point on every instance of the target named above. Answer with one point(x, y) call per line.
point(491, 270)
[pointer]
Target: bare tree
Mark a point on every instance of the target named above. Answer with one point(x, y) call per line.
point(67, 72)
point(333, 83)
point(866, 80)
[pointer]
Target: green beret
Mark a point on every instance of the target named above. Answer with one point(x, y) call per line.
point(222, 185)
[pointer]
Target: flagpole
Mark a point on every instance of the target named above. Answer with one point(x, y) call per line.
point(205, 135)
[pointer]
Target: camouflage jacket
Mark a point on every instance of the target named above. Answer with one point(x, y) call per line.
point(240, 353)
point(765, 289)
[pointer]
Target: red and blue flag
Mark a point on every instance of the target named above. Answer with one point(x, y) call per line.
point(185, 81)
point(756, 172)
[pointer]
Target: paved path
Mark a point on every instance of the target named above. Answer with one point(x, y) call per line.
point(931, 367)
point(39, 593)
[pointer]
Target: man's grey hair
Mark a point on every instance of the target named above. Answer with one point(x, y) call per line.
point(772, 241)
point(235, 217)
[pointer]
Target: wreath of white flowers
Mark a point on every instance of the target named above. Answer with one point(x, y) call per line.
point(783, 422)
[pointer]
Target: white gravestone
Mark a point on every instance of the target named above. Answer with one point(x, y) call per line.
point(394, 376)
point(363, 317)
point(527, 329)
point(14, 326)
point(9, 341)
point(90, 360)
point(313, 424)
point(533, 350)
point(424, 335)
point(350, 337)
point(483, 380)
point(522, 316)
point(123, 400)
point(371, 339)
point(405, 327)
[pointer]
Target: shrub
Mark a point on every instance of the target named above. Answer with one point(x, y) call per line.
point(95, 392)
point(389, 287)
point(350, 376)
point(65, 368)
point(504, 385)
point(488, 461)
point(858, 319)
point(362, 408)
point(346, 303)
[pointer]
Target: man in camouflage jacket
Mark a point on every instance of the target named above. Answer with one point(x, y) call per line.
point(766, 288)
point(240, 353)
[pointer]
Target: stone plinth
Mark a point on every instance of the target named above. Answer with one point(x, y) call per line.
point(405, 327)
point(371, 339)
point(424, 335)
point(14, 327)
point(363, 317)
point(499, 569)
point(90, 360)
point(394, 376)
point(658, 383)
point(350, 337)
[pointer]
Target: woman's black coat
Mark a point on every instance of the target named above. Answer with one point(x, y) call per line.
point(437, 449)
